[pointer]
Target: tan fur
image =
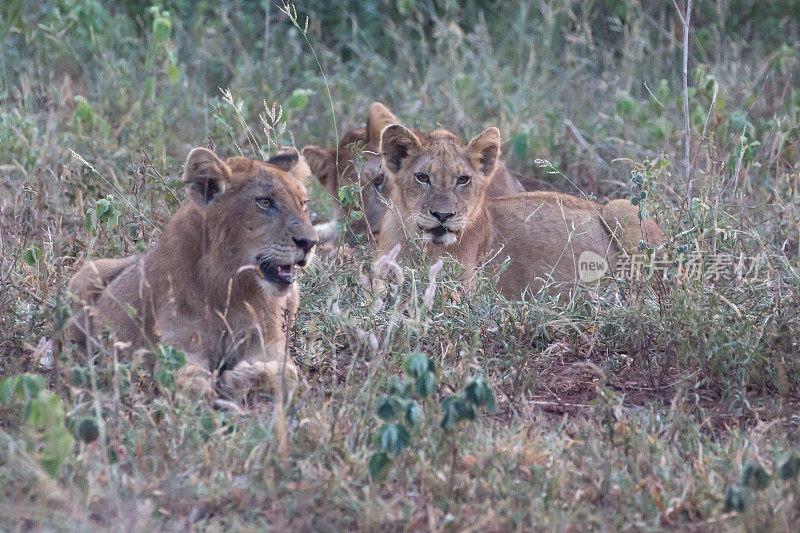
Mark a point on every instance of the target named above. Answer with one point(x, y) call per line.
point(365, 142)
point(94, 277)
point(200, 288)
point(543, 233)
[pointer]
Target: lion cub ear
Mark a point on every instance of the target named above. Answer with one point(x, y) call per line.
point(484, 149)
point(322, 163)
point(289, 160)
point(399, 146)
point(206, 176)
point(379, 117)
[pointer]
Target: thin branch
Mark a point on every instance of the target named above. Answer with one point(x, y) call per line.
point(687, 20)
point(654, 97)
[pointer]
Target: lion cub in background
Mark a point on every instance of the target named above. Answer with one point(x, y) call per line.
point(220, 284)
point(359, 162)
point(438, 188)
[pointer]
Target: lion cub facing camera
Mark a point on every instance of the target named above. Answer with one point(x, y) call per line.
point(438, 195)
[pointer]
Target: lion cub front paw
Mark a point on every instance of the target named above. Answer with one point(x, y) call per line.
point(261, 376)
point(196, 381)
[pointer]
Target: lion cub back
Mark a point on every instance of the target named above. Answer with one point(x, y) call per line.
point(545, 234)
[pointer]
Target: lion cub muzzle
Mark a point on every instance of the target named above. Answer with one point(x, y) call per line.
point(283, 272)
point(439, 227)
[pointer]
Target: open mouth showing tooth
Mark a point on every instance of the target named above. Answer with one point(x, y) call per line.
point(275, 273)
point(440, 231)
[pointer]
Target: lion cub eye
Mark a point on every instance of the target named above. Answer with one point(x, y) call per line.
point(304, 205)
point(265, 203)
point(463, 180)
point(378, 181)
point(422, 178)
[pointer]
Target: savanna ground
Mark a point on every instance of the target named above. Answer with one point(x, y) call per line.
point(645, 405)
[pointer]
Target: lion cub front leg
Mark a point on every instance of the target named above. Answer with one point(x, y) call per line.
point(194, 379)
point(266, 371)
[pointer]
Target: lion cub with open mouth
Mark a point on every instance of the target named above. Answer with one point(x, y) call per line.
point(438, 190)
point(221, 283)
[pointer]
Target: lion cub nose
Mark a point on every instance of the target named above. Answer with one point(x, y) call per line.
point(441, 217)
point(304, 244)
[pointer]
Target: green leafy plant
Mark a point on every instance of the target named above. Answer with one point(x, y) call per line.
point(755, 478)
point(86, 120)
point(104, 212)
point(162, 54)
point(402, 411)
point(349, 198)
point(169, 361)
point(643, 187)
point(31, 255)
point(43, 419)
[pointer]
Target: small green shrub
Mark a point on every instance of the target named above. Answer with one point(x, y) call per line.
point(403, 411)
point(42, 419)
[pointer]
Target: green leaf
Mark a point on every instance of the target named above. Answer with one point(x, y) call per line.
point(170, 358)
point(162, 29)
point(426, 384)
point(77, 376)
point(379, 465)
point(298, 99)
point(386, 410)
point(347, 194)
point(395, 385)
point(111, 223)
point(32, 385)
point(31, 255)
point(394, 438)
point(164, 378)
point(11, 390)
point(102, 207)
point(413, 413)
point(61, 315)
point(416, 363)
point(84, 113)
point(789, 466)
point(21, 387)
point(626, 104)
point(87, 430)
point(58, 443)
point(88, 221)
point(6, 391)
point(754, 476)
point(174, 74)
point(734, 499)
point(454, 410)
point(45, 411)
point(480, 394)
